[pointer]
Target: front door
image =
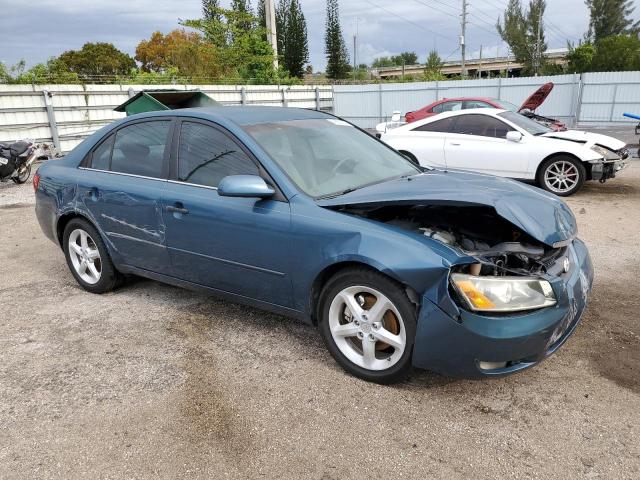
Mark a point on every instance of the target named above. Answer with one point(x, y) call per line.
point(121, 190)
point(478, 143)
point(237, 245)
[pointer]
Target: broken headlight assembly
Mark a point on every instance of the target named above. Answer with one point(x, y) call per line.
point(503, 294)
point(607, 154)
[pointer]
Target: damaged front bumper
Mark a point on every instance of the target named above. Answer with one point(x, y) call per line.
point(474, 346)
point(603, 171)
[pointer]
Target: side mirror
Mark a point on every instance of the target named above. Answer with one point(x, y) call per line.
point(244, 186)
point(514, 136)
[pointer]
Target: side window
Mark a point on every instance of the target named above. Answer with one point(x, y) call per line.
point(481, 125)
point(475, 104)
point(139, 149)
point(447, 107)
point(445, 125)
point(207, 155)
point(101, 158)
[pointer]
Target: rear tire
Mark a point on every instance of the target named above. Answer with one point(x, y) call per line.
point(22, 178)
point(88, 259)
point(562, 175)
point(355, 338)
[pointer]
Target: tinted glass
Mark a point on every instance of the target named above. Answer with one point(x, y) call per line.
point(476, 104)
point(445, 125)
point(139, 149)
point(531, 126)
point(327, 156)
point(207, 155)
point(447, 107)
point(102, 155)
point(481, 125)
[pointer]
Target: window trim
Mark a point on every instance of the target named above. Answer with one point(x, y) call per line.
point(175, 149)
point(452, 119)
point(88, 159)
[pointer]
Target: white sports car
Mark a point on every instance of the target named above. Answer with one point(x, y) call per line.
point(508, 144)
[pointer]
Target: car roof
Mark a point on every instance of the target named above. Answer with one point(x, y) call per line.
point(241, 115)
point(483, 111)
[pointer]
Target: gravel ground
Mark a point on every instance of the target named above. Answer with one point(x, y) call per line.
point(156, 382)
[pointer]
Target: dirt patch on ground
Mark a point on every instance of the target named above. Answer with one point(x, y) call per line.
point(157, 382)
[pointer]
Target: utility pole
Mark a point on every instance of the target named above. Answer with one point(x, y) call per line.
point(272, 34)
point(480, 65)
point(355, 51)
point(538, 43)
point(463, 32)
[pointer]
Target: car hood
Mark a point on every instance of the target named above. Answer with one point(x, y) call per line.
point(543, 216)
point(588, 139)
point(537, 98)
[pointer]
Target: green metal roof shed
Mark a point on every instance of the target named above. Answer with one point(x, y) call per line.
point(155, 100)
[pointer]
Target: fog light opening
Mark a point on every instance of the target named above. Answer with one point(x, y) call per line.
point(492, 365)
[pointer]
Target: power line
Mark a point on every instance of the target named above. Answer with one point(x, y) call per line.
point(421, 27)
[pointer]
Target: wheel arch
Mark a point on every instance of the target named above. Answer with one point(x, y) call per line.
point(64, 220)
point(330, 271)
point(553, 155)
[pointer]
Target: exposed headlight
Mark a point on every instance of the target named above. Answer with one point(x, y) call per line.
point(503, 294)
point(605, 152)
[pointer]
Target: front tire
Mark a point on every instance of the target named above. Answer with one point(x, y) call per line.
point(88, 258)
point(368, 325)
point(562, 175)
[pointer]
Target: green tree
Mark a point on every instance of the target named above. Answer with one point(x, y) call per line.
point(617, 53)
point(245, 19)
point(335, 49)
point(581, 58)
point(97, 59)
point(4, 73)
point(610, 17)
point(522, 30)
point(405, 58)
point(382, 62)
point(433, 67)
point(296, 44)
point(247, 55)
point(434, 62)
point(211, 11)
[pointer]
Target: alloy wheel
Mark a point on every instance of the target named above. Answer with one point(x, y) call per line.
point(561, 176)
point(367, 328)
point(85, 256)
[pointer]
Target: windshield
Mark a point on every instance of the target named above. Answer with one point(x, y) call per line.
point(326, 157)
point(507, 105)
point(533, 127)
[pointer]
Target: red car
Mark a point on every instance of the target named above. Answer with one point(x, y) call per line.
point(528, 107)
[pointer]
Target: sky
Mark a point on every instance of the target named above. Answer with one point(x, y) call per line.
point(35, 30)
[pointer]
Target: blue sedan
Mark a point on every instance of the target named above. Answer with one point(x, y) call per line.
point(301, 213)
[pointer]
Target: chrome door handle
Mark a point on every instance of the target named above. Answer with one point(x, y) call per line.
point(454, 144)
point(180, 210)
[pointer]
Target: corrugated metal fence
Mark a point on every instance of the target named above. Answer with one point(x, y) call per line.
point(65, 114)
point(590, 98)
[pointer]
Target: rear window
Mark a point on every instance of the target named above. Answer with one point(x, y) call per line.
point(139, 149)
point(445, 125)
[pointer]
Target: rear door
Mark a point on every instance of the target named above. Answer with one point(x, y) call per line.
point(478, 143)
point(426, 142)
point(121, 189)
point(237, 245)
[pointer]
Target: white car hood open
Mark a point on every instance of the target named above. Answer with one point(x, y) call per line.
point(587, 139)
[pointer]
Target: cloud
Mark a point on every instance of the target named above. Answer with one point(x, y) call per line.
point(39, 29)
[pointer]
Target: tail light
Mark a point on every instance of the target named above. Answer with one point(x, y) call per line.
point(36, 182)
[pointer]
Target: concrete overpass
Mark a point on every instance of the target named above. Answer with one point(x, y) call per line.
point(475, 67)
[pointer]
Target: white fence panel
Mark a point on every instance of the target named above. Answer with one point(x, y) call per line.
point(79, 110)
point(595, 97)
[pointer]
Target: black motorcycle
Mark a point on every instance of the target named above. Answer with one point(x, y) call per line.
point(16, 160)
